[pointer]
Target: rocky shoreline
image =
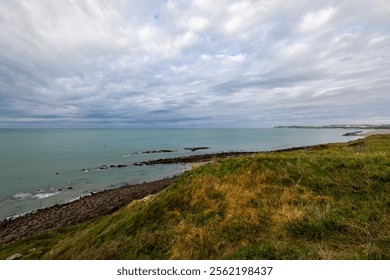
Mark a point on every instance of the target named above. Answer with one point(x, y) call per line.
point(78, 211)
point(101, 203)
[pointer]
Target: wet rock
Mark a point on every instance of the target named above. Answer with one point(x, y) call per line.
point(159, 151)
point(354, 133)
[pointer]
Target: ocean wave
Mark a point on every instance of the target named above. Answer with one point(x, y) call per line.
point(14, 216)
point(39, 195)
point(45, 195)
point(22, 196)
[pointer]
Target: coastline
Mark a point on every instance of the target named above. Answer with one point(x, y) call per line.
point(106, 202)
point(102, 203)
point(366, 133)
point(78, 211)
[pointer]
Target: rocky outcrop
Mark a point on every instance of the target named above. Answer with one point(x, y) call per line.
point(354, 133)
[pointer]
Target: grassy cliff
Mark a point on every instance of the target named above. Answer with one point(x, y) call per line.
point(328, 202)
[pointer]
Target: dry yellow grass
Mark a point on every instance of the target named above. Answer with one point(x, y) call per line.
point(247, 201)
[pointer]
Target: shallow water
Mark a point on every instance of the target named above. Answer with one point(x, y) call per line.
point(42, 167)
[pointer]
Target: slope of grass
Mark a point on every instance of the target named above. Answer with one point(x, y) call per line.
point(328, 202)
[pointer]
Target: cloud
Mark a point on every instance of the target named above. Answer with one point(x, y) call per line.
point(189, 63)
point(314, 20)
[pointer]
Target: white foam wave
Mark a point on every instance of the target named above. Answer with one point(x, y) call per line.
point(22, 196)
point(45, 195)
point(39, 195)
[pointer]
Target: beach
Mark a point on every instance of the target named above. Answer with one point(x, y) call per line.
point(366, 133)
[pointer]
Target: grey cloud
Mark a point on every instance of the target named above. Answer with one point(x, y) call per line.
point(242, 63)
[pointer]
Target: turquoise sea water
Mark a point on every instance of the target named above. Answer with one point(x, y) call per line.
point(42, 167)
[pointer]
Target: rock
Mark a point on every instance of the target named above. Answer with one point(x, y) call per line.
point(15, 256)
point(193, 149)
point(158, 151)
point(354, 133)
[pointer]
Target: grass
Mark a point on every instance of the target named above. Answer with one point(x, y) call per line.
point(328, 202)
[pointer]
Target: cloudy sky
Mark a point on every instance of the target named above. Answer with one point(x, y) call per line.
point(200, 63)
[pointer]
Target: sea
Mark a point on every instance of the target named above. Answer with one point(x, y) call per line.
point(43, 167)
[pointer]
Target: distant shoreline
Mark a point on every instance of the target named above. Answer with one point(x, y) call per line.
point(374, 132)
point(342, 126)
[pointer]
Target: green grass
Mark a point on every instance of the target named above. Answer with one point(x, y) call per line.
point(328, 202)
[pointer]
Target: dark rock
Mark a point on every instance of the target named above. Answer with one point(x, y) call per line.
point(193, 149)
point(158, 151)
point(168, 151)
point(354, 133)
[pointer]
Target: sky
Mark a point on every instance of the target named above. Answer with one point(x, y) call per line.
point(194, 63)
